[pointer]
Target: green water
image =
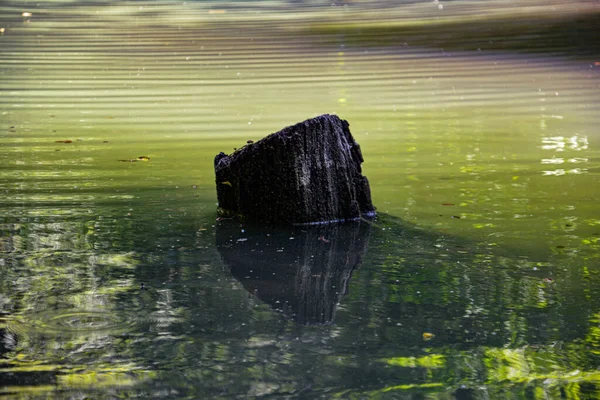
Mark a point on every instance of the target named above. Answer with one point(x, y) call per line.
point(479, 280)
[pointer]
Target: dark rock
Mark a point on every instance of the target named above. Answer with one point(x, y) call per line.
point(302, 272)
point(306, 173)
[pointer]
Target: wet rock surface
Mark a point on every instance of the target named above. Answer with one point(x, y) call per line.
point(306, 173)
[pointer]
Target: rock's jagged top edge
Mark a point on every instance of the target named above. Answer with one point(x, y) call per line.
point(307, 122)
point(283, 132)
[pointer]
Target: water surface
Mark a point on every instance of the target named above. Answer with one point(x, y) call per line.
point(479, 127)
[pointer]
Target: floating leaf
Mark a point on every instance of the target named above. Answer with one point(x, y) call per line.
point(486, 225)
point(226, 183)
point(140, 158)
point(428, 336)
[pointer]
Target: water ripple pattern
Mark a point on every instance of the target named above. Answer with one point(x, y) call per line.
point(478, 122)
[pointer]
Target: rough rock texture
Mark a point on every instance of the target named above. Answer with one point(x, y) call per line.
point(301, 271)
point(306, 173)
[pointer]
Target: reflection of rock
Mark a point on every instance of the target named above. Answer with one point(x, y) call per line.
point(309, 172)
point(8, 341)
point(301, 271)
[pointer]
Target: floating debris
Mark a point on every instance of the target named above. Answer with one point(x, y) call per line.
point(226, 183)
point(428, 336)
point(548, 280)
point(322, 239)
point(447, 204)
point(140, 158)
point(63, 141)
point(250, 141)
point(455, 216)
point(2, 30)
point(26, 14)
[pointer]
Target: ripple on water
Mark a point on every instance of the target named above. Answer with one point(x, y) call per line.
point(70, 322)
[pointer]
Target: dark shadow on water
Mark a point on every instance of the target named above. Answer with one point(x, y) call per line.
point(300, 271)
point(305, 271)
point(573, 35)
point(364, 293)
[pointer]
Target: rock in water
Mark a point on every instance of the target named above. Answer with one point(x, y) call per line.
point(306, 173)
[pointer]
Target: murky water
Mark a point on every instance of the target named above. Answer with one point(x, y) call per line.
point(479, 128)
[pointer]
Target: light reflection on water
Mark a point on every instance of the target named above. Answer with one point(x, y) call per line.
point(483, 161)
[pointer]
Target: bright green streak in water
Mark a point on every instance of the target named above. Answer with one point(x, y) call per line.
point(506, 141)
